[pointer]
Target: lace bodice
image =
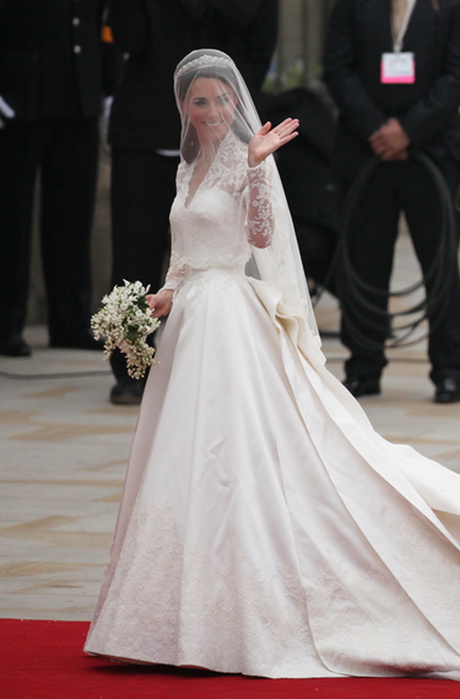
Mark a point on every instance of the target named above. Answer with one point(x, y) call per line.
point(228, 213)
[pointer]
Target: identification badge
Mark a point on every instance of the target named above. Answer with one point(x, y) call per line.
point(398, 68)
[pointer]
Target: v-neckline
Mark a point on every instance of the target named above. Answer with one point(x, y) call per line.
point(189, 198)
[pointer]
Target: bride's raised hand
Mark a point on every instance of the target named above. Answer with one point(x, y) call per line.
point(268, 140)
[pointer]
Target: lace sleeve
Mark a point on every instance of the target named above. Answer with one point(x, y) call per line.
point(175, 272)
point(259, 215)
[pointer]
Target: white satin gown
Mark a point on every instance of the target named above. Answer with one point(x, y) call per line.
point(265, 527)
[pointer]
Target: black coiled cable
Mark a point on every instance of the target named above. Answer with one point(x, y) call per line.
point(438, 277)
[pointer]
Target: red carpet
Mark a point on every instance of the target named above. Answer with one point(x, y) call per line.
point(44, 660)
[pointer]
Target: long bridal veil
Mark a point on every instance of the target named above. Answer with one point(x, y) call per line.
point(283, 288)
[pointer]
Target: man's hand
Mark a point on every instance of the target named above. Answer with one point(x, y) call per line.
point(5, 112)
point(390, 142)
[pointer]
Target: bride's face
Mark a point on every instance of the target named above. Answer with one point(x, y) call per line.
point(210, 105)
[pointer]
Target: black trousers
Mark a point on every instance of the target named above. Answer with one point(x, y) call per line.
point(394, 187)
point(142, 192)
point(65, 152)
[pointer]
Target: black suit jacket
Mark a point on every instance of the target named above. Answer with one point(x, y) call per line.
point(359, 33)
point(157, 34)
point(51, 57)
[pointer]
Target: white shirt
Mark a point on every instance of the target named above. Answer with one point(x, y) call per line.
point(399, 34)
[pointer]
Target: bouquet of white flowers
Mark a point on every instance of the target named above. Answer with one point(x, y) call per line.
point(125, 321)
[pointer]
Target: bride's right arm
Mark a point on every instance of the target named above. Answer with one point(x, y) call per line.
point(161, 302)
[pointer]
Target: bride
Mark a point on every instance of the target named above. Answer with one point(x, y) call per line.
point(265, 528)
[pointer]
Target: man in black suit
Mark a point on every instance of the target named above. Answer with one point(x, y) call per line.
point(51, 79)
point(394, 73)
point(144, 127)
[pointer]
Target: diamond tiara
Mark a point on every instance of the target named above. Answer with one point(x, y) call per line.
point(205, 60)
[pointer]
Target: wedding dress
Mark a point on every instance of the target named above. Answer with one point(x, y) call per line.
point(265, 527)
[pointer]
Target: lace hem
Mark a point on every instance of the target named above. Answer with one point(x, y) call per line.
point(170, 605)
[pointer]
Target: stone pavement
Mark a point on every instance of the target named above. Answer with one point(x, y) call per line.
point(64, 449)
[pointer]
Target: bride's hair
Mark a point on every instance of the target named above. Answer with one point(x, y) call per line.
point(239, 126)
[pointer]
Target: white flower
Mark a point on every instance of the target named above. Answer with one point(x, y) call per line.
point(125, 321)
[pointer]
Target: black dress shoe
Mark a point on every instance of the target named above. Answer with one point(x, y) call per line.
point(127, 391)
point(86, 341)
point(15, 346)
point(447, 391)
point(362, 386)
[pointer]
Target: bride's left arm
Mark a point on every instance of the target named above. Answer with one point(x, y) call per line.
point(260, 214)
